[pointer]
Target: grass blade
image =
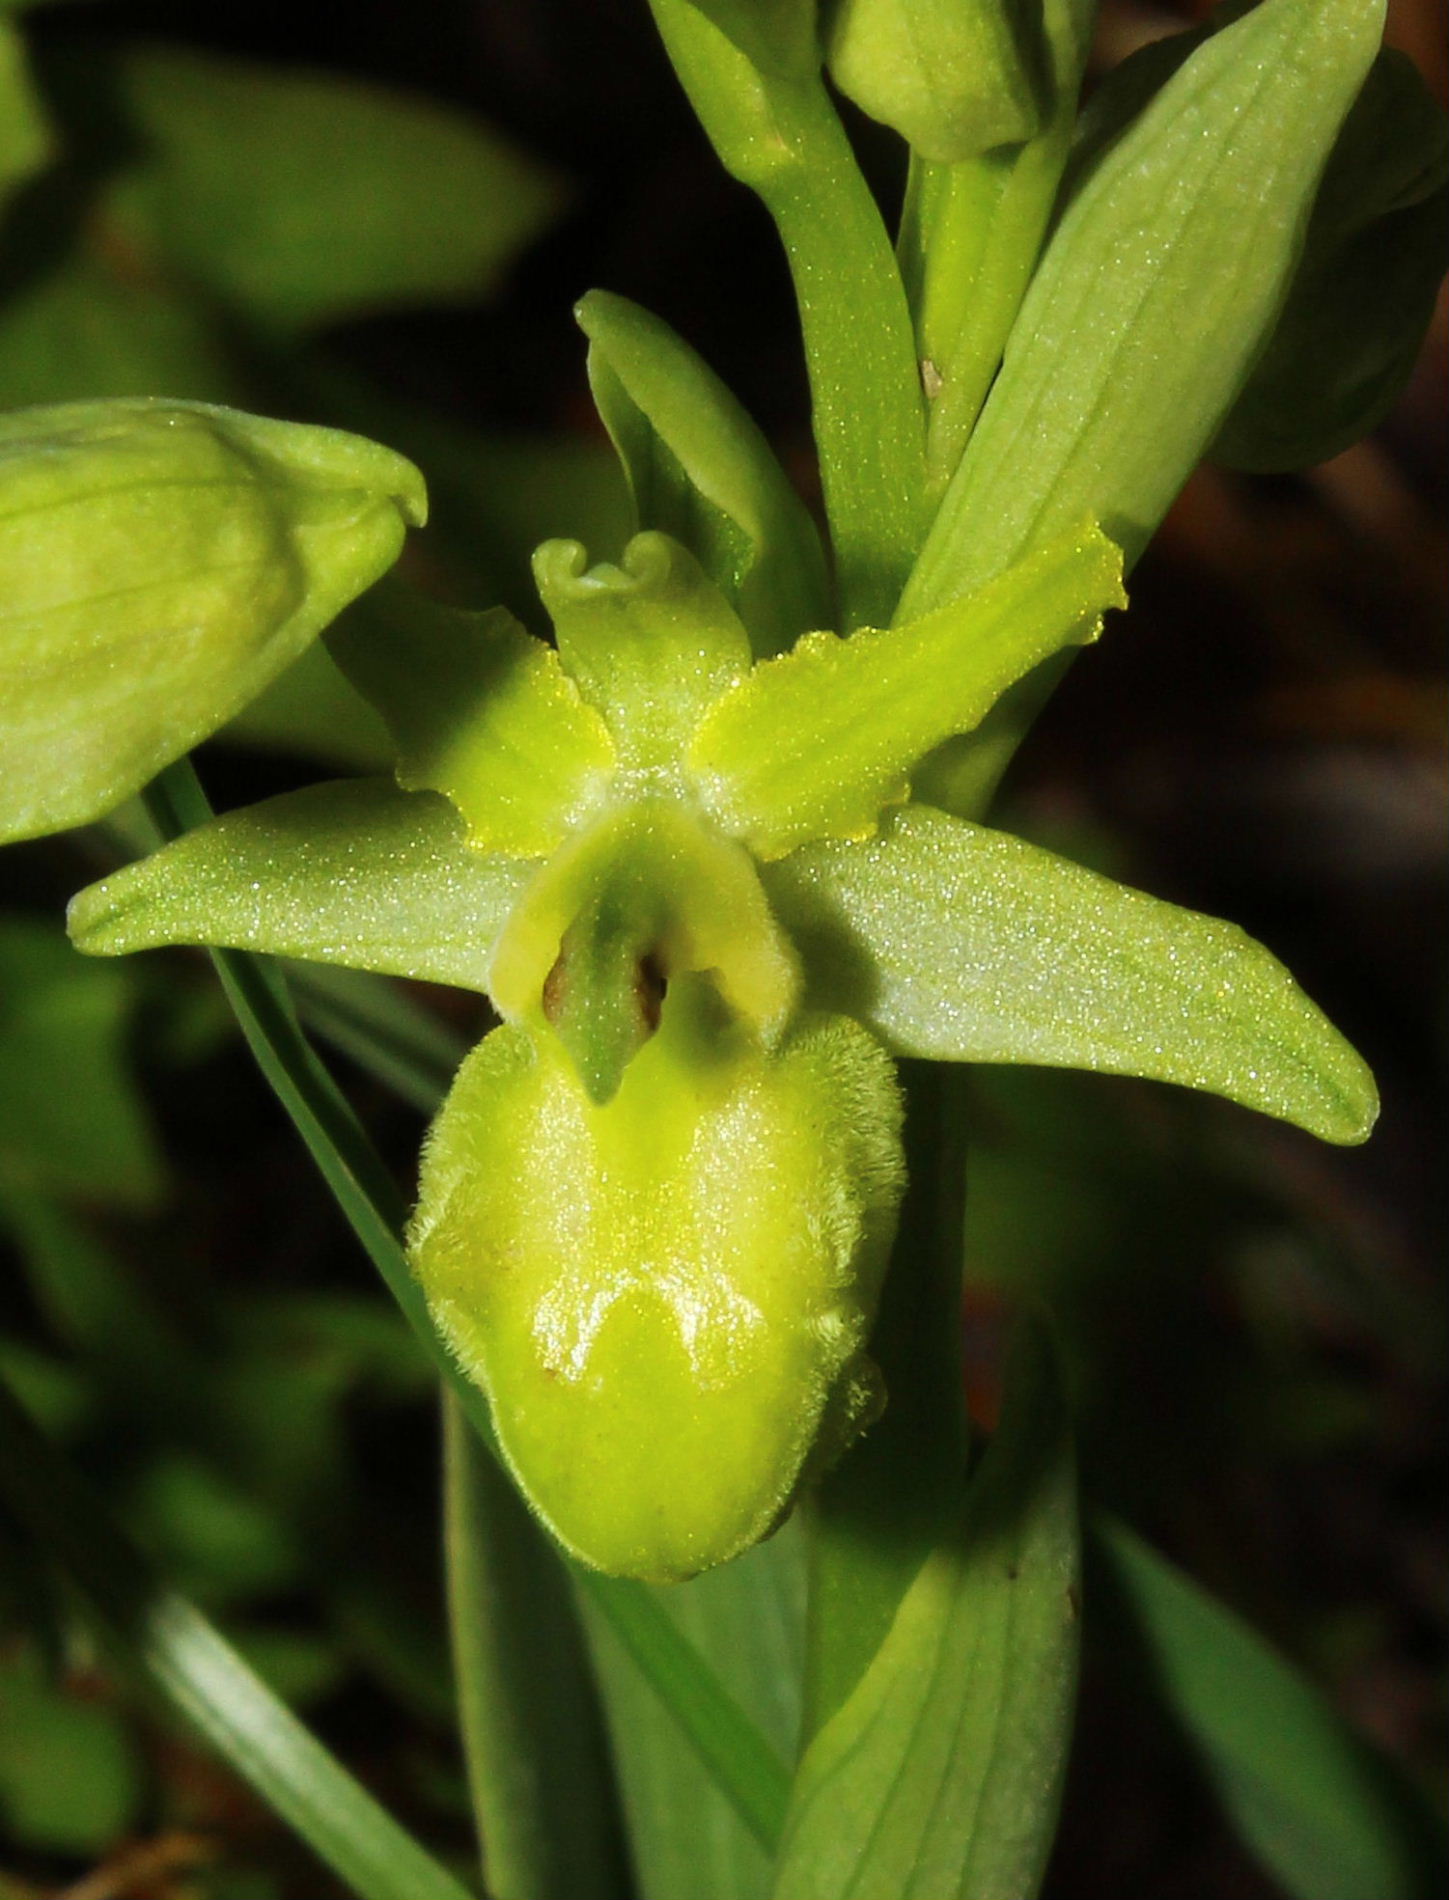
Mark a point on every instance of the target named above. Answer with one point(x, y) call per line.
point(172, 1646)
point(746, 1617)
point(1328, 1816)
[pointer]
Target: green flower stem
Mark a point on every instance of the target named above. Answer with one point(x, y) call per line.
point(781, 135)
point(970, 236)
point(748, 1771)
point(885, 1507)
point(529, 1723)
point(743, 1765)
point(170, 1644)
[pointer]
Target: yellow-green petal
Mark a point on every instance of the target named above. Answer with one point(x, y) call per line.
point(816, 743)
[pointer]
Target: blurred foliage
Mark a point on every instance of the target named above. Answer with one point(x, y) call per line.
point(1253, 1330)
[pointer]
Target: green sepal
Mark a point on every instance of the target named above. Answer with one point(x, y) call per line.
point(1154, 297)
point(645, 896)
point(700, 469)
point(302, 198)
point(954, 77)
point(777, 36)
point(1363, 296)
point(482, 712)
point(651, 643)
point(353, 872)
point(966, 945)
point(161, 563)
point(667, 1298)
point(817, 743)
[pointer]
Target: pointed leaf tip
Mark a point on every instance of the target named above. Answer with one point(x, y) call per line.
point(961, 944)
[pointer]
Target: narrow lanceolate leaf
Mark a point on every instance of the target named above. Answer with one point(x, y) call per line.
point(816, 743)
point(940, 1776)
point(481, 712)
point(1327, 1816)
point(355, 872)
point(966, 945)
point(172, 1647)
point(1363, 295)
point(160, 563)
point(747, 1620)
point(529, 1720)
point(700, 470)
point(305, 198)
point(1155, 295)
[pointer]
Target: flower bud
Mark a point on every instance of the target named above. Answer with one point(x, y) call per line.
point(953, 77)
point(161, 563)
point(666, 1297)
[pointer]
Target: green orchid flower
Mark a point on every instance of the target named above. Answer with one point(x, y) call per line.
point(657, 1204)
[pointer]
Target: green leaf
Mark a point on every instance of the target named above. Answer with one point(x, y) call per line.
point(90, 327)
point(161, 563)
point(481, 712)
point(746, 1619)
point(70, 1778)
point(1376, 250)
point(537, 1770)
point(306, 198)
point(953, 77)
point(60, 1018)
point(730, 1743)
point(353, 872)
point(941, 1774)
point(876, 1516)
point(26, 142)
point(780, 134)
point(816, 743)
point(1154, 297)
point(171, 1646)
point(700, 470)
point(651, 642)
point(1326, 1815)
point(967, 945)
point(380, 1027)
